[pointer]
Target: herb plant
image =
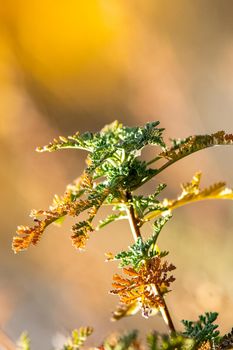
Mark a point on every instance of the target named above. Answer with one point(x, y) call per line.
point(114, 170)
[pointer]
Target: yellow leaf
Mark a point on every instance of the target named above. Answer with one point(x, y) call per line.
point(191, 192)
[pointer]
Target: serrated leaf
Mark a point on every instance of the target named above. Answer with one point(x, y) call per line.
point(204, 329)
point(70, 204)
point(145, 286)
point(141, 251)
point(191, 144)
point(191, 192)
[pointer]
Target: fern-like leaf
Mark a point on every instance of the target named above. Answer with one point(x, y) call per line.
point(70, 204)
point(145, 286)
point(204, 329)
point(112, 167)
point(78, 338)
point(191, 144)
point(144, 205)
point(141, 251)
point(191, 192)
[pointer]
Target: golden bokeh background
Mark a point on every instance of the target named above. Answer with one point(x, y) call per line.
point(77, 65)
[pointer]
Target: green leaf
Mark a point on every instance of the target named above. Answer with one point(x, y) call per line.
point(141, 251)
point(111, 218)
point(204, 329)
point(144, 205)
point(114, 168)
point(159, 224)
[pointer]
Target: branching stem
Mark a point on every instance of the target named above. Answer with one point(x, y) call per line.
point(136, 234)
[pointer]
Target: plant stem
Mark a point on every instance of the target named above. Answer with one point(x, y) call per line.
point(136, 234)
point(132, 219)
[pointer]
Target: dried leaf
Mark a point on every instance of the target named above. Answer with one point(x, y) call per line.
point(146, 286)
point(183, 148)
point(70, 204)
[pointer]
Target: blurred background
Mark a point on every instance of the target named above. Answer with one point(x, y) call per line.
point(77, 65)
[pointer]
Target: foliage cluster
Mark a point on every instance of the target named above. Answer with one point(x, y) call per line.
point(199, 335)
point(115, 169)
